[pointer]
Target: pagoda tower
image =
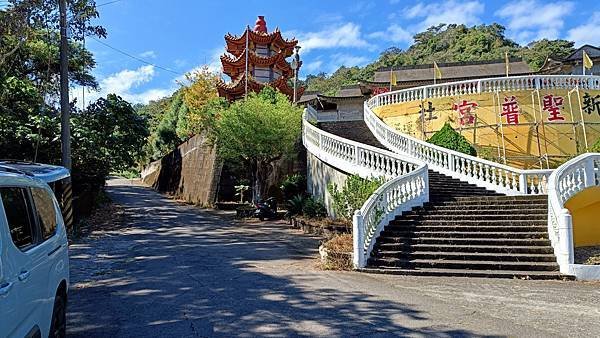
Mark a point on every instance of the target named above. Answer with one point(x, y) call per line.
point(257, 58)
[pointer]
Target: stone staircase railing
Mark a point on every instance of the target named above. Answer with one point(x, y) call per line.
point(487, 174)
point(489, 85)
point(407, 186)
point(567, 180)
point(388, 201)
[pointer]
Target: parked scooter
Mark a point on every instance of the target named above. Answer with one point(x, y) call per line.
point(266, 209)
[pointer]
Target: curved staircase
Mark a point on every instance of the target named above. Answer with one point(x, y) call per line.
point(463, 230)
point(442, 212)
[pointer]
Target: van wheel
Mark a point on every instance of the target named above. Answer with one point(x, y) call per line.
point(58, 328)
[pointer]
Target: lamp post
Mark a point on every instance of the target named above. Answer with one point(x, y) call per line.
point(295, 66)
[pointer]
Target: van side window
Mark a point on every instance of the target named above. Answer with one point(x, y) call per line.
point(18, 215)
point(45, 211)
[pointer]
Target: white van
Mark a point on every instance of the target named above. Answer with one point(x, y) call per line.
point(34, 259)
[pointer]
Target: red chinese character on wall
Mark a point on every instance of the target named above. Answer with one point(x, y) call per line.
point(380, 90)
point(510, 109)
point(552, 105)
point(465, 109)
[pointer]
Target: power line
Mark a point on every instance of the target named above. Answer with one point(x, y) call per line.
point(108, 3)
point(137, 58)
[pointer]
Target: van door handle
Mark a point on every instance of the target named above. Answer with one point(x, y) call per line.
point(24, 275)
point(5, 288)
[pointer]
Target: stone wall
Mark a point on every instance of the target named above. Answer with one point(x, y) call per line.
point(191, 172)
point(318, 176)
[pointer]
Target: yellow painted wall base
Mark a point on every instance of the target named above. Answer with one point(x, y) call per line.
point(585, 210)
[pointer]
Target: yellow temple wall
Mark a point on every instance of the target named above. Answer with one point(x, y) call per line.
point(525, 145)
point(585, 211)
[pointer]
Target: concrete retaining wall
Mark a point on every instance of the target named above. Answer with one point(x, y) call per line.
point(191, 172)
point(318, 176)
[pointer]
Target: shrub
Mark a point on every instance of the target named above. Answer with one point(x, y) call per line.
point(353, 195)
point(295, 205)
point(292, 186)
point(450, 139)
point(339, 253)
point(596, 147)
point(314, 208)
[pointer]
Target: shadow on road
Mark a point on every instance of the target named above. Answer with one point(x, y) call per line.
point(177, 271)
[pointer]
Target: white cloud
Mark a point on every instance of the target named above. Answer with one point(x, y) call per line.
point(347, 35)
point(124, 83)
point(340, 59)
point(448, 12)
point(313, 66)
point(394, 33)
point(586, 33)
point(149, 54)
point(533, 20)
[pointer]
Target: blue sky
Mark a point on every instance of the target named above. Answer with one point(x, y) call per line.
point(181, 35)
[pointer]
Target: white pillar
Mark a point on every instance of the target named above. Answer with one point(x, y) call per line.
point(358, 257)
point(565, 238)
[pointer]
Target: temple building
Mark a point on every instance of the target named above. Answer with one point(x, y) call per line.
point(347, 102)
point(258, 58)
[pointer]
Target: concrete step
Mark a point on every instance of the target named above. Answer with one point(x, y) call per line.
point(467, 256)
point(466, 241)
point(498, 208)
point(478, 212)
point(524, 249)
point(462, 264)
point(538, 275)
point(540, 217)
point(471, 222)
point(464, 234)
point(444, 229)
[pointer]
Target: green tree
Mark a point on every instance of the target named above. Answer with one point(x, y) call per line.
point(352, 195)
point(448, 138)
point(537, 52)
point(258, 131)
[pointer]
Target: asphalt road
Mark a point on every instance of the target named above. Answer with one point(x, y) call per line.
point(173, 270)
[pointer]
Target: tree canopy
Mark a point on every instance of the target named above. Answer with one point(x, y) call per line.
point(446, 43)
point(258, 131)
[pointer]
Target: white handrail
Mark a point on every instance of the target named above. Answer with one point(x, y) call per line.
point(354, 157)
point(407, 187)
point(475, 170)
point(487, 85)
point(567, 180)
point(487, 174)
point(388, 201)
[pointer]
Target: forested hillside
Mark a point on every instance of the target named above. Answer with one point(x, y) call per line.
point(446, 43)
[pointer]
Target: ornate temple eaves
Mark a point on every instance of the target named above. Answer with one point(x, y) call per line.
point(237, 44)
point(237, 88)
point(233, 66)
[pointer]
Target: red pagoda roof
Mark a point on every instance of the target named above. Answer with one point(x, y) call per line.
point(237, 88)
point(236, 45)
point(234, 66)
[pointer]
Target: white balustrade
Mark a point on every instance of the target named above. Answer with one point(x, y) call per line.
point(487, 174)
point(567, 180)
point(488, 85)
point(354, 157)
point(407, 186)
point(388, 201)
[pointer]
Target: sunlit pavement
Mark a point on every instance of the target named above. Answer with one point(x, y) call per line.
point(176, 271)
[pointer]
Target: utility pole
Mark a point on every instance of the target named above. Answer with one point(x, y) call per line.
point(65, 108)
point(65, 117)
